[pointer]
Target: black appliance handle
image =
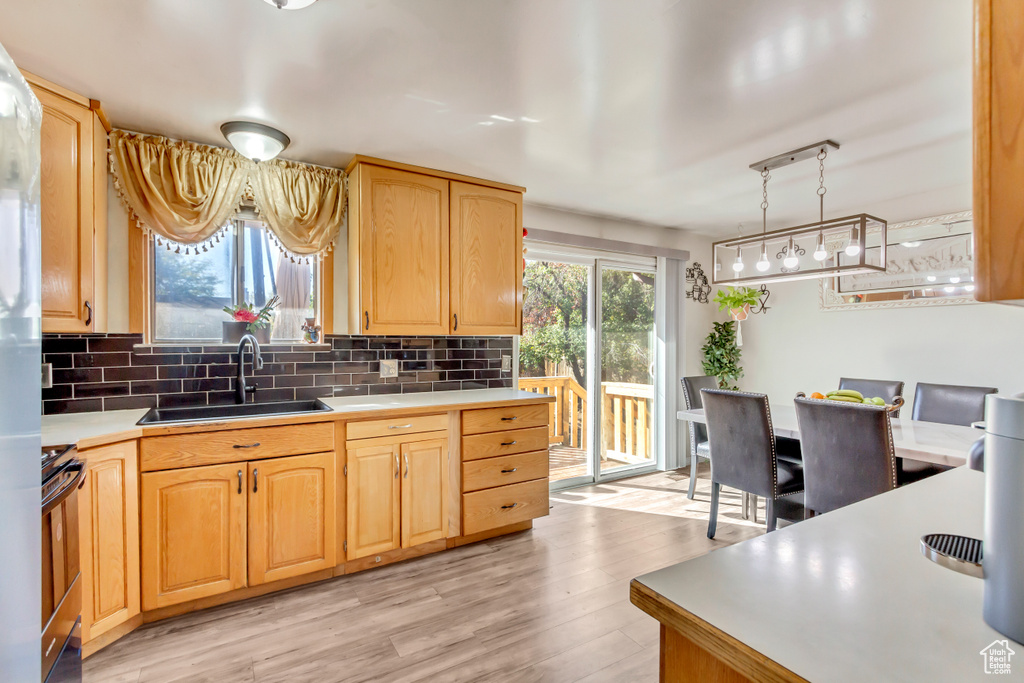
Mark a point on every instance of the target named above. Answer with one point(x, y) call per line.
point(62, 494)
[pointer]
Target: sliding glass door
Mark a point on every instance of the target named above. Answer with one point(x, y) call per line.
point(588, 331)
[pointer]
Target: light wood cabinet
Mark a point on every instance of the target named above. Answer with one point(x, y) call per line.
point(193, 533)
point(73, 201)
point(397, 492)
point(424, 491)
point(109, 533)
point(374, 492)
point(999, 151)
point(432, 252)
point(291, 516)
point(398, 252)
point(486, 260)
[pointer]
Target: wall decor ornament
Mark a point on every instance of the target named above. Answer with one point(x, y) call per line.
point(762, 303)
point(698, 287)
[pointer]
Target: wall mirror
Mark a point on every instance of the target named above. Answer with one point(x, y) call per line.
point(929, 262)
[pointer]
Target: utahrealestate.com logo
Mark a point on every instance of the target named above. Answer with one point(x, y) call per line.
point(997, 657)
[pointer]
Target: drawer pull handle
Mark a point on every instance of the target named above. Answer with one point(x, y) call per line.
point(510, 419)
point(255, 480)
point(509, 471)
point(509, 507)
point(400, 426)
point(406, 465)
point(509, 443)
point(246, 445)
point(398, 468)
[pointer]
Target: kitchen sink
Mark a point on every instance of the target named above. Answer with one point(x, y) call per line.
point(222, 412)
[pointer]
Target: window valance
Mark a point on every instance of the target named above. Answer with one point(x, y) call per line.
point(184, 193)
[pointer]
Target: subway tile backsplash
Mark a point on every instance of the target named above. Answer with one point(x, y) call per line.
point(93, 372)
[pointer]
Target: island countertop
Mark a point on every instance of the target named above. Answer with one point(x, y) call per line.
point(99, 428)
point(845, 596)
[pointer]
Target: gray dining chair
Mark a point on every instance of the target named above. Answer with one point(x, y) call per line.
point(887, 389)
point(847, 450)
point(949, 404)
point(699, 447)
point(745, 457)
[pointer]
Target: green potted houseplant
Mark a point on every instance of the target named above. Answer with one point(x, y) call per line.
point(722, 355)
point(246, 319)
point(737, 300)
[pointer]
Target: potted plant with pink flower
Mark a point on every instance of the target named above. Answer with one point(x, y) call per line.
point(245, 318)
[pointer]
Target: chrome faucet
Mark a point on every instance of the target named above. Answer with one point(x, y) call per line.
point(241, 388)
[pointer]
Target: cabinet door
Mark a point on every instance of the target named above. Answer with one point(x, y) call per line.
point(373, 500)
point(486, 260)
point(424, 491)
point(291, 516)
point(109, 531)
point(66, 200)
point(193, 533)
point(403, 252)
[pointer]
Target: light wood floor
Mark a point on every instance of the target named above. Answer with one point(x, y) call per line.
point(551, 604)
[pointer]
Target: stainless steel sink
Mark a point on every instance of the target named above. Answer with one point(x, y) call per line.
point(205, 413)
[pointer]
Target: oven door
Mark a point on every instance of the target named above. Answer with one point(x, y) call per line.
point(62, 585)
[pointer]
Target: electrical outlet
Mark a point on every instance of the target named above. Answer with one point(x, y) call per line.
point(388, 368)
point(506, 363)
point(47, 375)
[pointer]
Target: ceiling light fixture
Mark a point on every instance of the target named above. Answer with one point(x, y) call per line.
point(254, 140)
point(857, 243)
point(290, 4)
point(763, 265)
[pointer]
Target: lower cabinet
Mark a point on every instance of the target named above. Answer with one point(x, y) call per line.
point(397, 492)
point(109, 537)
point(209, 530)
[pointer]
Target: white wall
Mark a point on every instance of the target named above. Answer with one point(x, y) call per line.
point(798, 347)
point(117, 262)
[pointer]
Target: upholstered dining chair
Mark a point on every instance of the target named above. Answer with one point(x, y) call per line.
point(883, 388)
point(847, 450)
point(744, 454)
point(699, 447)
point(945, 404)
point(950, 404)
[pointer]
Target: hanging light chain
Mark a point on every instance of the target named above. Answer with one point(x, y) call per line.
point(821, 182)
point(765, 177)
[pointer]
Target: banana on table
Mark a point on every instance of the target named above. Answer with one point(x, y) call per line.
point(851, 396)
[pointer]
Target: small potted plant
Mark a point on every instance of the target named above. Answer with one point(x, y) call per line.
point(737, 300)
point(245, 318)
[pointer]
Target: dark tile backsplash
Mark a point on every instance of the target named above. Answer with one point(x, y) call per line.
point(114, 372)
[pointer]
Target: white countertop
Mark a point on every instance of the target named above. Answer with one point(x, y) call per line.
point(927, 441)
point(847, 596)
point(76, 427)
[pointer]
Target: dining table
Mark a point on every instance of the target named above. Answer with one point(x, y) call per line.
point(940, 444)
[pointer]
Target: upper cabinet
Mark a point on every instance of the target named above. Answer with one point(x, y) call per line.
point(486, 293)
point(73, 198)
point(999, 150)
point(432, 253)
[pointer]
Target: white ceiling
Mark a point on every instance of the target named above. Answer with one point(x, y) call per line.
point(650, 110)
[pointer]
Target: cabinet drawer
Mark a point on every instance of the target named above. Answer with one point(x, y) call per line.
point(234, 445)
point(493, 508)
point(503, 470)
point(396, 426)
point(512, 417)
point(504, 443)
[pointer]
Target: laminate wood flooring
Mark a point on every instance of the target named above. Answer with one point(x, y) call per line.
point(550, 604)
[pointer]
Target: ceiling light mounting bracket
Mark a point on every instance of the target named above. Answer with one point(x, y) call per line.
point(793, 156)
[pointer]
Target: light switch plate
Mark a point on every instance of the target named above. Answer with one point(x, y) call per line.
point(506, 363)
point(388, 368)
point(47, 375)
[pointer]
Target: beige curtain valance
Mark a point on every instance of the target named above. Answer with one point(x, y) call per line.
point(185, 193)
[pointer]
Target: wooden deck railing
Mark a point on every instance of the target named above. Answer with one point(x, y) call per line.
point(625, 415)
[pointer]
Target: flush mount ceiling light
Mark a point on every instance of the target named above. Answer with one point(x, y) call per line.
point(254, 140)
point(841, 246)
point(290, 4)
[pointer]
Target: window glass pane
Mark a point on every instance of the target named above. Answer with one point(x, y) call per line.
point(190, 291)
point(268, 272)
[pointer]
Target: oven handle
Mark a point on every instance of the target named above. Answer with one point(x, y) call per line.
point(65, 491)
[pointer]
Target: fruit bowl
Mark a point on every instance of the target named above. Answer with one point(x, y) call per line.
point(855, 398)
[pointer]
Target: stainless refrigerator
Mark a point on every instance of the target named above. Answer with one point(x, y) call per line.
point(20, 530)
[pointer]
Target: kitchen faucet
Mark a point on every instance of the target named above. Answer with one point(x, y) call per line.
point(241, 388)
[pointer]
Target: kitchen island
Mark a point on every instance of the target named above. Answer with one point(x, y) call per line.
point(845, 596)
